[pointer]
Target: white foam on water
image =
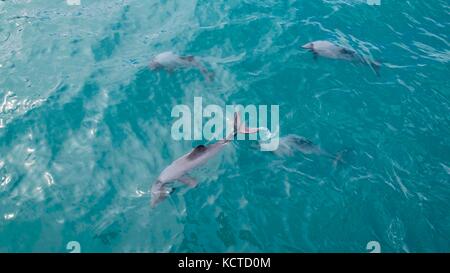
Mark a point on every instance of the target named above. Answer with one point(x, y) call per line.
point(9, 216)
point(49, 178)
point(266, 136)
point(73, 2)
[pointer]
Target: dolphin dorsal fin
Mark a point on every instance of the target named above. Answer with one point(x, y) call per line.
point(347, 51)
point(197, 151)
point(188, 58)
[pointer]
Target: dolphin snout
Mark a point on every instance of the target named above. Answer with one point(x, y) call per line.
point(307, 46)
point(154, 65)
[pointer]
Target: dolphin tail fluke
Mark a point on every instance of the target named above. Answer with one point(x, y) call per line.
point(238, 127)
point(339, 158)
point(209, 76)
point(247, 130)
point(376, 66)
point(241, 128)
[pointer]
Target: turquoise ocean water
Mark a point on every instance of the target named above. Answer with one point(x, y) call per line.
point(85, 126)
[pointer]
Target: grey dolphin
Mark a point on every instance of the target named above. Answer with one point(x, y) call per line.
point(177, 171)
point(329, 50)
point(171, 61)
point(290, 144)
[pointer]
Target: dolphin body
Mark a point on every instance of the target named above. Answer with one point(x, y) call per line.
point(177, 171)
point(332, 51)
point(171, 61)
point(290, 144)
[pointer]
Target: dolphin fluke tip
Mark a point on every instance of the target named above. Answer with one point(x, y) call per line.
point(209, 76)
point(376, 66)
point(340, 158)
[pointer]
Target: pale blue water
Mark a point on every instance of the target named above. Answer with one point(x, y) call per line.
point(85, 126)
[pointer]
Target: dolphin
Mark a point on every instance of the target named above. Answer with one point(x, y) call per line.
point(177, 171)
point(290, 144)
point(171, 61)
point(332, 51)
